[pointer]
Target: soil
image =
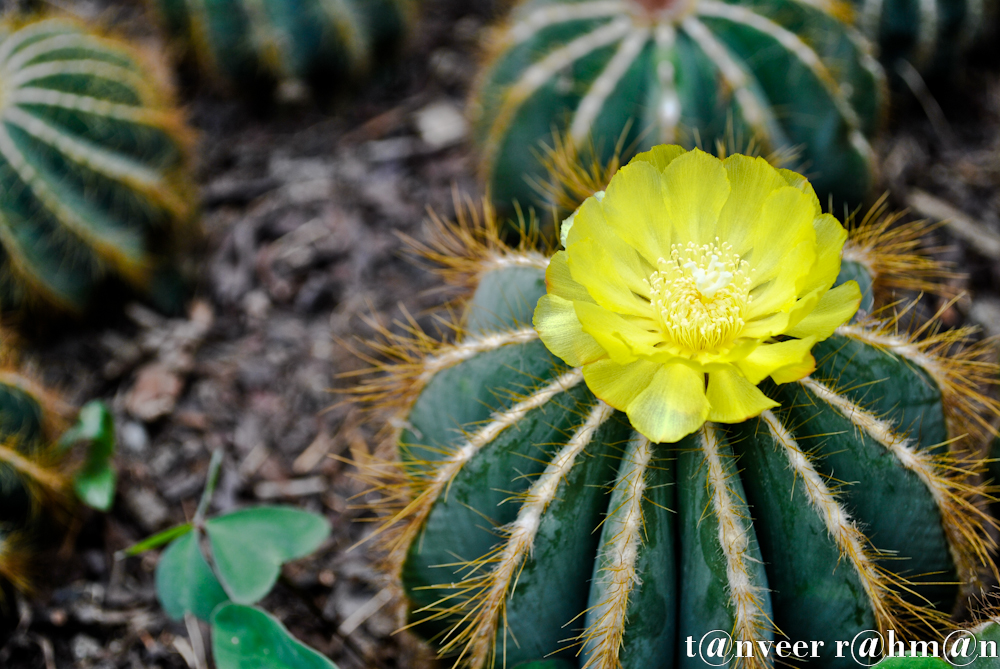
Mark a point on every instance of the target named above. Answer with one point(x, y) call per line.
point(302, 208)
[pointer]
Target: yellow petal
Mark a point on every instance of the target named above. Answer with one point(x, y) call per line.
point(559, 281)
point(672, 406)
point(618, 384)
point(752, 180)
point(733, 398)
point(591, 215)
point(769, 358)
point(782, 290)
point(786, 225)
point(633, 208)
point(624, 340)
point(835, 308)
point(651, 211)
point(830, 238)
point(660, 156)
point(796, 180)
point(612, 272)
point(795, 371)
point(560, 330)
point(766, 326)
point(696, 188)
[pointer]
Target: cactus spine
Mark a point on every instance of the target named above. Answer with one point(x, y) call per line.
point(249, 43)
point(527, 519)
point(93, 177)
point(631, 74)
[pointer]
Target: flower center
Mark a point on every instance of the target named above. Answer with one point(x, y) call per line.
point(700, 295)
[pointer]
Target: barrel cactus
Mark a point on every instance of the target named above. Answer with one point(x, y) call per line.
point(33, 473)
point(249, 44)
point(784, 75)
point(688, 424)
point(930, 35)
point(93, 169)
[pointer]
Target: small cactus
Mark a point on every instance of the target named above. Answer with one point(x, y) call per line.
point(47, 465)
point(528, 518)
point(248, 44)
point(93, 170)
point(930, 35)
point(783, 75)
point(34, 473)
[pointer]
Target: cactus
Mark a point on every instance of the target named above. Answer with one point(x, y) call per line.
point(782, 74)
point(33, 473)
point(45, 469)
point(528, 519)
point(93, 176)
point(247, 44)
point(930, 35)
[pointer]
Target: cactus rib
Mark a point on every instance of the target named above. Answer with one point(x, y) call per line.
point(938, 473)
point(504, 562)
point(852, 544)
point(616, 573)
point(746, 597)
point(754, 109)
point(437, 476)
point(960, 371)
point(537, 75)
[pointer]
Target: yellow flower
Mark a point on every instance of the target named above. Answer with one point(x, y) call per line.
point(690, 280)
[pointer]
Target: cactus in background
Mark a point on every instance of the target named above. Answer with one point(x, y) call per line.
point(45, 466)
point(930, 34)
point(93, 173)
point(633, 73)
point(251, 43)
point(575, 490)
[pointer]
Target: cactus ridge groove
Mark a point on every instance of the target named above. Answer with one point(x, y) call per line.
point(956, 511)
point(959, 375)
point(592, 103)
point(746, 597)
point(853, 545)
point(539, 73)
point(754, 109)
point(437, 476)
point(491, 589)
point(617, 576)
point(451, 355)
point(808, 57)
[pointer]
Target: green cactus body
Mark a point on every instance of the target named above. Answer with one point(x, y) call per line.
point(34, 474)
point(93, 177)
point(539, 524)
point(249, 43)
point(929, 34)
point(692, 72)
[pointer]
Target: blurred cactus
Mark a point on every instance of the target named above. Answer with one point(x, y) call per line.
point(930, 35)
point(252, 44)
point(93, 170)
point(528, 519)
point(782, 75)
point(45, 466)
point(33, 474)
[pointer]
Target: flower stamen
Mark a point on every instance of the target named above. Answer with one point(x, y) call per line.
point(700, 295)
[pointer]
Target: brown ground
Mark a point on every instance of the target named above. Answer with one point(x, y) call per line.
point(301, 210)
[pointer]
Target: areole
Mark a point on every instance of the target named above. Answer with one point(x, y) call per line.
point(665, 10)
